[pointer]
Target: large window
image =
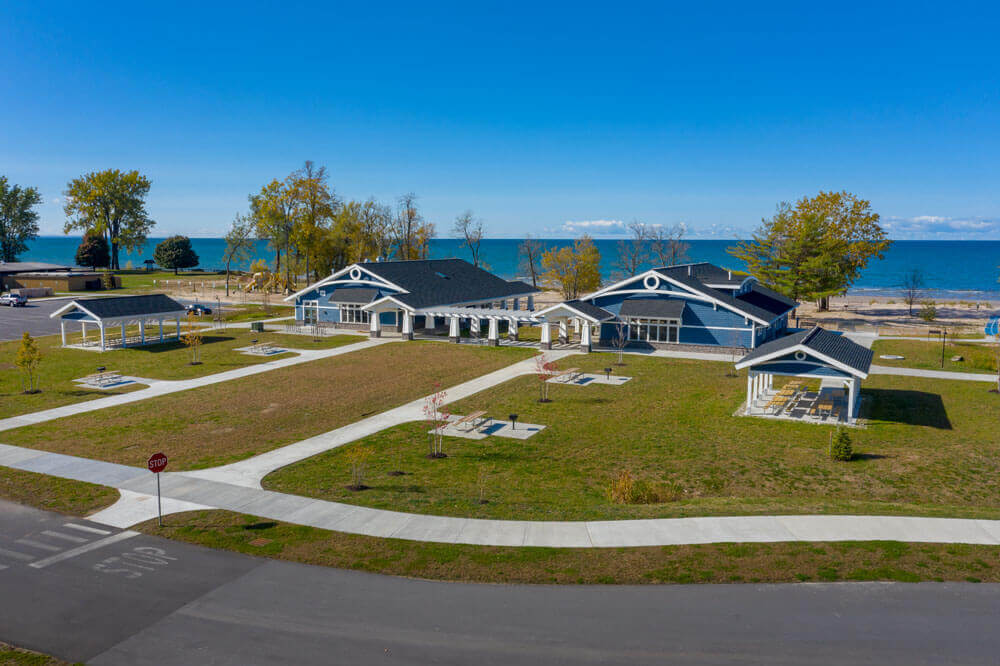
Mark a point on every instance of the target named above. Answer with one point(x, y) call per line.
point(652, 330)
point(310, 312)
point(351, 313)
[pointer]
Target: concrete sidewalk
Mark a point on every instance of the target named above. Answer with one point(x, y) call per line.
point(164, 387)
point(933, 374)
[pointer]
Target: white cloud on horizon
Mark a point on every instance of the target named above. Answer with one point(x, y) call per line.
point(937, 226)
point(594, 227)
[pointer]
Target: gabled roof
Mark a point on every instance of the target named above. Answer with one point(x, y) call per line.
point(654, 308)
point(705, 272)
point(767, 299)
point(588, 311)
point(839, 351)
point(748, 309)
point(114, 307)
point(444, 282)
point(353, 295)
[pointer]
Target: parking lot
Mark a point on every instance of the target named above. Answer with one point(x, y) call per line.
point(33, 318)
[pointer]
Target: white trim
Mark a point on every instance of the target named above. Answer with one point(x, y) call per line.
point(329, 279)
point(582, 315)
point(854, 372)
point(70, 305)
point(389, 297)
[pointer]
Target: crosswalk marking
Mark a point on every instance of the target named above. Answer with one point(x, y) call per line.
point(39, 544)
point(64, 537)
point(16, 555)
point(93, 545)
point(86, 528)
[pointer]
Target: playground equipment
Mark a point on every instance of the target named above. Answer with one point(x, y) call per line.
point(269, 283)
point(992, 329)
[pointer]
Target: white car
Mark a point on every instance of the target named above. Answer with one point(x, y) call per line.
point(13, 300)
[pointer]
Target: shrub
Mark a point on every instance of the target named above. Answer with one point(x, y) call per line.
point(840, 445)
point(626, 489)
point(621, 490)
point(928, 311)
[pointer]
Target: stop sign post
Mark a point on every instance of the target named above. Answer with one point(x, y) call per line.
point(156, 464)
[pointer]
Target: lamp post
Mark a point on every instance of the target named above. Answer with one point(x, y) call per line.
point(607, 374)
point(944, 336)
point(513, 421)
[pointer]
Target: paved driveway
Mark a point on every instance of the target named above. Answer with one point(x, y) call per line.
point(33, 318)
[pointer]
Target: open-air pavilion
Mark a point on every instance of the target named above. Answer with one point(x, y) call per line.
point(585, 318)
point(825, 371)
point(112, 313)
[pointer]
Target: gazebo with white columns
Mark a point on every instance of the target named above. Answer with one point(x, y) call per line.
point(584, 316)
point(120, 311)
point(816, 354)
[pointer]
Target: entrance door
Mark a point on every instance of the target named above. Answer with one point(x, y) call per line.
point(310, 312)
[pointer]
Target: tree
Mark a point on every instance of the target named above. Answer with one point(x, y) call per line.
point(411, 233)
point(530, 254)
point(438, 419)
point(112, 203)
point(175, 252)
point(314, 206)
point(632, 253)
point(192, 339)
point(93, 251)
point(271, 210)
point(357, 459)
point(620, 340)
point(18, 219)
point(574, 270)
point(471, 230)
point(668, 245)
point(239, 244)
point(28, 359)
point(544, 371)
point(913, 288)
point(819, 246)
point(928, 311)
point(840, 446)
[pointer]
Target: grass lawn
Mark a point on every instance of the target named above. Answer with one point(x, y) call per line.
point(979, 357)
point(53, 493)
point(170, 360)
point(931, 448)
point(711, 563)
point(225, 422)
point(140, 279)
point(15, 656)
point(255, 311)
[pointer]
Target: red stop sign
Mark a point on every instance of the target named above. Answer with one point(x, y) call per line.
point(157, 463)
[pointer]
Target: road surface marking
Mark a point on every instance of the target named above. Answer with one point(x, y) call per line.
point(39, 544)
point(64, 537)
point(85, 528)
point(94, 545)
point(16, 555)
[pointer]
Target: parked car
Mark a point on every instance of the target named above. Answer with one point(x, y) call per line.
point(13, 300)
point(199, 309)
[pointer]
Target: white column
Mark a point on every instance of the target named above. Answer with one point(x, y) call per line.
point(576, 325)
point(429, 324)
point(123, 336)
point(161, 329)
point(101, 326)
point(375, 325)
point(563, 331)
point(852, 398)
point(142, 331)
point(585, 337)
point(546, 336)
point(512, 327)
point(474, 327)
point(178, 327)
point(83, 330)
point(494, 333)
point(407, 325)
point(454, 328)
point(62, 329)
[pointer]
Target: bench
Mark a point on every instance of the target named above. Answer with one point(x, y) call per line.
point(262, 348)
point(472, 422)
point(569, 375)
point(103, 378)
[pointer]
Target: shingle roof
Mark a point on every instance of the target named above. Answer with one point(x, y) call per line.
point(767, 299)
point(706, 272)
point(353, 295)
point(656, 308)
point(110, 307)
point(821, 341)
point(10, 267)
point(739, 306)
point(589, 309)
point(444, 282)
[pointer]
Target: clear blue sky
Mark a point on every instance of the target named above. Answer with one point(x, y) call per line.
point(533, 115)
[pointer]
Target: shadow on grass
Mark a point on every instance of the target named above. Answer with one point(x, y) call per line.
point(260, 526)
point(173, 345)
point(910, 407)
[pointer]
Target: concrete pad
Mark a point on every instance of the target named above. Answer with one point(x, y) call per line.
point(493, 532)
point(494, 428)
point(133, 508)
point(557, 534)
point(12, 456)
point(591, 379)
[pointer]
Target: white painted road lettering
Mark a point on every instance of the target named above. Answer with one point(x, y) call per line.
point(131, 564)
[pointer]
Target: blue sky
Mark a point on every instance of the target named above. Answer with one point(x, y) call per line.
point(541, 118)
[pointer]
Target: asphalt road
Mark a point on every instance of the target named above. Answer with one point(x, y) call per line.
point(33, 317)
point(193, 605)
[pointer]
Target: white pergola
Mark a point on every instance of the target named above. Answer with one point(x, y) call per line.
point(78, 312)
point(584, 317)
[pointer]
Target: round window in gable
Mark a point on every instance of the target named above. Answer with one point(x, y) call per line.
point(651, 282)
point(355, 273)
point(800, 355)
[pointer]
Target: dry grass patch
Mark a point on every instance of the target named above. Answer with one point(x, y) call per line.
point(229, 421)
point(52, 493)
point(710, 563)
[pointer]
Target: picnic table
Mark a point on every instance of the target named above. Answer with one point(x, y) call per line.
point(261, 348)
point(103, 378)
point(778, 402)
point(472, 421)
point(568, 375)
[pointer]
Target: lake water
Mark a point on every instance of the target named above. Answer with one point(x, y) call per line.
point(955, 269)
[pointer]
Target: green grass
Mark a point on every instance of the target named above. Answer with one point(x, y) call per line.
point(140, 279)
point(979, 357)
point(170, 360)
point(253, 312)
point(229, 421)
point(52, 493)
point(15, 656)
point(931, 448)
point(711, 563)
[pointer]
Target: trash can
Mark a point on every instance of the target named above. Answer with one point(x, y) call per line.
point(257, 326)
